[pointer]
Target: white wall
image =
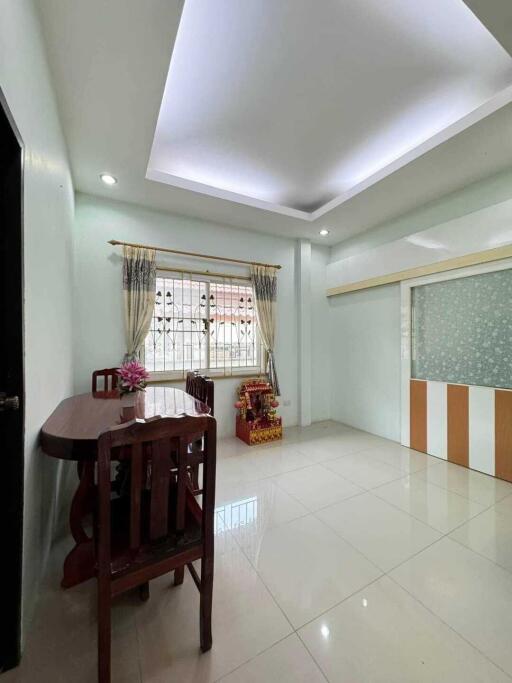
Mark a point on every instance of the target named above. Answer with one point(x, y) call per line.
point(478, 231)
point(467, 200)
point(365, 365)
point(99, 326)
point(48, 215)
point(321, 335)
point(365, 325)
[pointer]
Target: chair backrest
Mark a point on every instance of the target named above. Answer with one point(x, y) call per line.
point(158, 455)
point(201, 387)
point(109, 383)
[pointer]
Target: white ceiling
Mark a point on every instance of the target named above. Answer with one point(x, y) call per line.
point(271, 103)
point(291, 105)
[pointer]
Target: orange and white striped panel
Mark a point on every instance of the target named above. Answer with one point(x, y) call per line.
point(418, 415)
point(437, 419)
point(481, 429)
point(457, 409)
point(469, 426)
point(503, 434)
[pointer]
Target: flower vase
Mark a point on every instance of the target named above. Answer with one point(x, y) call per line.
point(128, 405)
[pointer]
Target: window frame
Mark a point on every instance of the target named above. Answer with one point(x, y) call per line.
point(214, 373)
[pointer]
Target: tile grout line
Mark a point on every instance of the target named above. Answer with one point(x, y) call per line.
point(241, 549)
point(382, 572)
point(312, 657)
point(421, 520)
point(267, 649)
point(484, 557)
point(461, 495)
point(436, 616)
point(387, 573)
point(296, 630)
point(251, 659)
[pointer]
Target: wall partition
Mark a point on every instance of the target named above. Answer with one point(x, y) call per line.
point(457, 367)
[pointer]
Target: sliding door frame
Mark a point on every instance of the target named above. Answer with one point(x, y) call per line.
point(406, 327)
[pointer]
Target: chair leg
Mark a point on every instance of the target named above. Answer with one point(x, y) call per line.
point(194, 475)
point(206, 603)
point(179, 575)
point(144, 591)
point(104, 634)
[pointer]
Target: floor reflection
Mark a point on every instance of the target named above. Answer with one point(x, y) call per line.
point(239, 513)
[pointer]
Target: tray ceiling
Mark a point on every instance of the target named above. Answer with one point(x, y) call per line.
point(295, 107)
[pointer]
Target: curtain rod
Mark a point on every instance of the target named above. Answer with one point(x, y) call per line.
point(187, 271)
point(191, 253)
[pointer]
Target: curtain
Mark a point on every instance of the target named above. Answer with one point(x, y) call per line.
point(264, 282)
point(139, 278)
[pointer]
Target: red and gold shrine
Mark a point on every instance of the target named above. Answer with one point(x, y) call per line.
point(257, 420)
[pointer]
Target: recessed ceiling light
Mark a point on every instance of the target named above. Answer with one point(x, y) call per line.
point(324, 232)
point(108, 179)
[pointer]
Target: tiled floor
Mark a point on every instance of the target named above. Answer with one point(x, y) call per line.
point(340, 557)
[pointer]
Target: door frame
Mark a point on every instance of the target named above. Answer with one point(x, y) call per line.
point(406, 326)
point(11, 620)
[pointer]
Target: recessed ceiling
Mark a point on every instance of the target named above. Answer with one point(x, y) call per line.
point(109, 63)
point(295, 107)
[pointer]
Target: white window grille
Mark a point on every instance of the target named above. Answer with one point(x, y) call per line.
point(202, 323)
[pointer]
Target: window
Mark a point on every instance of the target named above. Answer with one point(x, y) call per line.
point(202, 323)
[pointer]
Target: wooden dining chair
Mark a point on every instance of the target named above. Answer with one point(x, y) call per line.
point(110, 380)
point(201, 387)
point(159, 527)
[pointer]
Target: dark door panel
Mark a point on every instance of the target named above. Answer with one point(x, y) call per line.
point(11, 388)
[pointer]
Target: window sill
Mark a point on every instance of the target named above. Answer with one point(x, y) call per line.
point(246, 373)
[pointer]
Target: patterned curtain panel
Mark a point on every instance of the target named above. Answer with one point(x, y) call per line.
point(264, 282)
point(139, 276)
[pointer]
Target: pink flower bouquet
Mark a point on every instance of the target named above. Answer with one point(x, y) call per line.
point(133, 376)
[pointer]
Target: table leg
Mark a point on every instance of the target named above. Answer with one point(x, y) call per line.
point(80, 561)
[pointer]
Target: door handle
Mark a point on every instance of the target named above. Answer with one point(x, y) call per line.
point(9, 402)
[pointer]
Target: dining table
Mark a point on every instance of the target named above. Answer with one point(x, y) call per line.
point(71, 433)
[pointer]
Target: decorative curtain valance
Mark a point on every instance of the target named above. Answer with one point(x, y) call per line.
point(139, 277)
point(264, 282)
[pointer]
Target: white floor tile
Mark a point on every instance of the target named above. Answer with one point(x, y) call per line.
point(246, 621)
point(385, 535)
point(468, 592)
point(320, 449)
point(364, 470)
point(286, 662)
point(335, 445)
point(298, 534)
point(61, 642)
point(505, 505)
point(308, 568)
point(249, 510)
point(231, 446)
point(237, 469)
point(320, 429)
point(277, 460)
point(476, 486)
point(315, 487)
point(77, 663)
point(489, 534)
point(437, 507)
point(383, 635)
point(404, 459)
